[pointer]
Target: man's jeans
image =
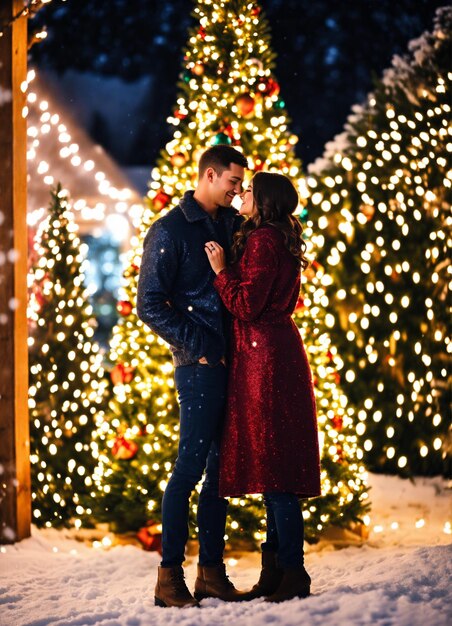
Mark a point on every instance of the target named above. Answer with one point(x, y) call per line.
point(202, 395)
point(285, 529)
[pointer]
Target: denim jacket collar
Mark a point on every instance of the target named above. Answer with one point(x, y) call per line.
point(193, 212)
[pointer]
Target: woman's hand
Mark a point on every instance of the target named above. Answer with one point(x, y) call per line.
point(216, 256)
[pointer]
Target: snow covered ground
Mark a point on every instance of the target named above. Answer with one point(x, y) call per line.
point(400, 576)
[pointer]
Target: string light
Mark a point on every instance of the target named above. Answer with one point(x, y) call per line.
point(31, 7)
point(392, 234)
point(107, 203)
point(66, 376)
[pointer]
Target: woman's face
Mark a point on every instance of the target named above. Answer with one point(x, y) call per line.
point(248, 207)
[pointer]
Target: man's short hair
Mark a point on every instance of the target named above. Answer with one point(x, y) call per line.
point(220, 158)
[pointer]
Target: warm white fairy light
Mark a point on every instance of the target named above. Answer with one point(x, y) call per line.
point(394, 162)
point(49, 126)
point(55, 306)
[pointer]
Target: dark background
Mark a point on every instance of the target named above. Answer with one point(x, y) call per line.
point(328, 55)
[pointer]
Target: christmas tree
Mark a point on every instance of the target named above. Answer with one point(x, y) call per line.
point(66, 386)
point(228, 95)
point(382, 198)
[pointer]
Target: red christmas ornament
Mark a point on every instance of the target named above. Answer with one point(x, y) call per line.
point(178, 159)
point(40, 298)
point(161, 200)
point(150, 536)
point(198, 69)
point(368, 211)
point(258, 164)
point(124, 449)
point(121, 374)
point(124, 307)
point(269, 87)
point(245, 104)
point(202, 32)
point(255, 11)
point(337, 422)
point(180, 114)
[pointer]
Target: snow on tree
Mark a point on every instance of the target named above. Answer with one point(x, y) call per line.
point(381, 198)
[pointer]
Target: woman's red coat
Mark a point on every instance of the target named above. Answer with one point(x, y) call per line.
point(270, 440)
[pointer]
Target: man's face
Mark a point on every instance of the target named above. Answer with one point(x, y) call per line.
point(226, 185)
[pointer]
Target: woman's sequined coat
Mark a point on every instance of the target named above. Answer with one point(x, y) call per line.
point(270, 440)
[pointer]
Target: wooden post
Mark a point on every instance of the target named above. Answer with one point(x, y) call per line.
point(15, 500)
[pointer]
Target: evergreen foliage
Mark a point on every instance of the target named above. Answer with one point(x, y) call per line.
point(66, 385)
point(381, 198)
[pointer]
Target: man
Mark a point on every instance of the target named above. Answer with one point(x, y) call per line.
point(177, 300)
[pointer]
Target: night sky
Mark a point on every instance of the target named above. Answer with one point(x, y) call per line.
point(328, 54)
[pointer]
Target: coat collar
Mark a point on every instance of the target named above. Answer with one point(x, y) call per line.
point(193, 212)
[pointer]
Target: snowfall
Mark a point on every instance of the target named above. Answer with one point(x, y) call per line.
point(398, 575)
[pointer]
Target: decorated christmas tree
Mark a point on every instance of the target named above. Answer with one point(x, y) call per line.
point(228, 95)
point(381, 198)
point(66, 385)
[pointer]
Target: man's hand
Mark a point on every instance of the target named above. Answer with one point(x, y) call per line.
point(203, 360)
point(216, 256)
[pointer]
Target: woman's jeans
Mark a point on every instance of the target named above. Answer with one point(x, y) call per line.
point(202, 394)
point(285, 529)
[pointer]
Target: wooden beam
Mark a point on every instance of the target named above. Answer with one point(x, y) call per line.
point(15, 500)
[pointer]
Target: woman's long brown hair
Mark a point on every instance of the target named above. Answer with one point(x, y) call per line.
point(276, 199)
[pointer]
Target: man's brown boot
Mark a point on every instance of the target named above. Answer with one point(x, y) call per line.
point(295, 583)
point(270, 578)
point(212, 582)
point(171, 589)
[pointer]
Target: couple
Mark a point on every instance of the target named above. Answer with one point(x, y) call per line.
point(247, 409)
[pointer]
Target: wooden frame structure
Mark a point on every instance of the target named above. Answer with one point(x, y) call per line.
point(15, 498)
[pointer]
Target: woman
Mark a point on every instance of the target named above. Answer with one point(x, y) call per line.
point(270, 442)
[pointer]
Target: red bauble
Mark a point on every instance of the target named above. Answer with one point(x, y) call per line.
point(202, 32)
point(255, 11)
point(121, 374)
point(178, 159)
point(124, 307)
point(337, 422)
point(198, 69)
point(368, 210)
point(180, 114)
point(150, 536)
point(269, 87)
point(245, 104)
point(124, 449)
point(258, 164)
point(161, 200)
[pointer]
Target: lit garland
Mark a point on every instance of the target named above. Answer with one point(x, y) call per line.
point(66, 378)
point(228, 94)
point(46, 127)
point(31, 7)
point(383, 204)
